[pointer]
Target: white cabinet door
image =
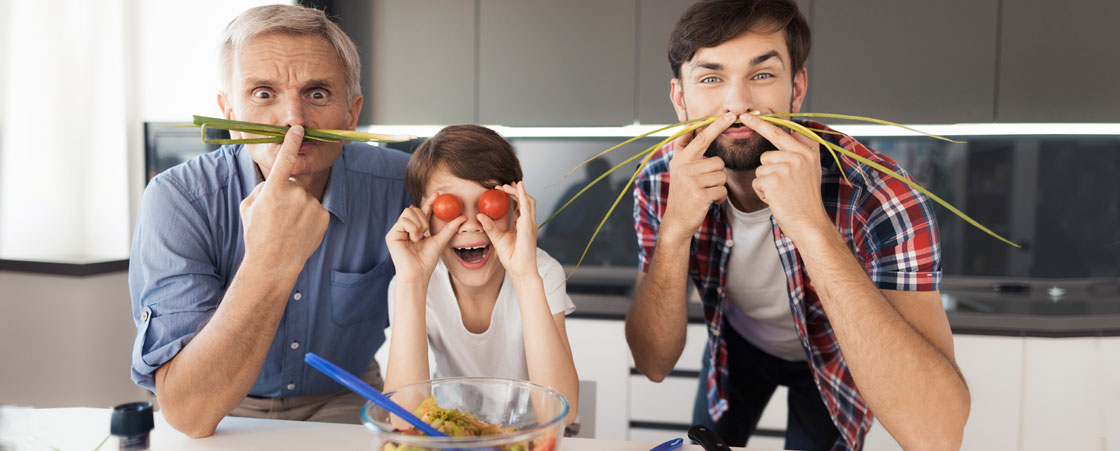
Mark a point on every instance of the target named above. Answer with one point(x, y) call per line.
point(601, 356)
point(993, 369)
point(550, 63)
point(421, 66)
point(1110, 379)
point(1062, 404)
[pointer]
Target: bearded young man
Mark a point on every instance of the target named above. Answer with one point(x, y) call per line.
point(807, 282)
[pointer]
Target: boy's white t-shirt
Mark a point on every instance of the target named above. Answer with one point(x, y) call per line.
point(500, 350)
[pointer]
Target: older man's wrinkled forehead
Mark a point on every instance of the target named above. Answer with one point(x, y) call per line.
point(276, 60)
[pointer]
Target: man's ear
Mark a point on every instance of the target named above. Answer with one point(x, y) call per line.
point(355, 110)
point(224, 105)
point(800, 86)
point(227, 112)
point(676, 95)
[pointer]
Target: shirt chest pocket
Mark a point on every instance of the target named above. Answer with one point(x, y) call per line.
point(360, 297)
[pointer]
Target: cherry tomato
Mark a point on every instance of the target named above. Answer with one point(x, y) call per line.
point(447, 207)
point(493, 203)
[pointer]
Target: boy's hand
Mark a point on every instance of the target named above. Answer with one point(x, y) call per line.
point(516, 248)
point(414, 252)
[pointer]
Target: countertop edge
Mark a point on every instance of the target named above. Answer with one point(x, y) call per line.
point(614, 308)
point(64, 268)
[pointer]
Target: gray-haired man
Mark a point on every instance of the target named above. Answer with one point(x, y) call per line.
point(248, 257)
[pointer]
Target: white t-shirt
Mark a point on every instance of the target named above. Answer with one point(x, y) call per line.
point(756, 285)
point(500, 350)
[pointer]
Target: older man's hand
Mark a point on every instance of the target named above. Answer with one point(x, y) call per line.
point(283, 223)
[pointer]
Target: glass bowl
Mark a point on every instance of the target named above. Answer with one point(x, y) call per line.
point(535, 415)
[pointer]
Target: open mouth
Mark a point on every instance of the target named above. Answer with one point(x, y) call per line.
point(472, 255)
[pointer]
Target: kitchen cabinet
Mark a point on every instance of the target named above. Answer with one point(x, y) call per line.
point(629, 406)
point(589, 63)
point(1110, 376)
point(423, 62)
point(993, 369)
point(1058, 61)
point(602, 359)
point(909, 62)
point(544, 63)
point(655, 21)
point(1063, 394)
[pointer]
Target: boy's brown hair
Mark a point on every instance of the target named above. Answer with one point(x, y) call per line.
point(709, 23)
point(470, 152)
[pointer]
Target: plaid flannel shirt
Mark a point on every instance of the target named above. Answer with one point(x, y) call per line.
point(889, 226)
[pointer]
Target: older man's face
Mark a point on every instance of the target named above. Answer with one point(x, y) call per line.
point(291, 80)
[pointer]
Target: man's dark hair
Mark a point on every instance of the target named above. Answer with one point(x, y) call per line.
point(470, 152)
point(709, 23)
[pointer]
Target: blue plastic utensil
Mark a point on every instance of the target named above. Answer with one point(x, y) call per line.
point(358, 386)
point(671, 445)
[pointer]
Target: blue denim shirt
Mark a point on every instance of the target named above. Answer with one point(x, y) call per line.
point(189, 243)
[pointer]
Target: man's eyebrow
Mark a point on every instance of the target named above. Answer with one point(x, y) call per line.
point(319, 83)
point(765, 56)
point(254, 82)
point(754, 61)
point(315, 82)
point(706, 65)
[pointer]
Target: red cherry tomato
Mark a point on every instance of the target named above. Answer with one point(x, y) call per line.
point(447, 207)
point(493, 203)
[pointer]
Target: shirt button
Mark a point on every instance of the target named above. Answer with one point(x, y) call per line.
point(143, 316)
point(297, 296)
point(730, 243)
point(295, 345)
point(291, 386)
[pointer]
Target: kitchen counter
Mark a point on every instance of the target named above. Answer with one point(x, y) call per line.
point(1028, 309)
point(85, 428)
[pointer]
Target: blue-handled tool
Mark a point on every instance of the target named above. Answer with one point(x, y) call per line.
point(671, 445)
point(358, 386)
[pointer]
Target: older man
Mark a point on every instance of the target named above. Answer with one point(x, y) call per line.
point(248, 257)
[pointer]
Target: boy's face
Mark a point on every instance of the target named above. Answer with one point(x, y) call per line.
point(748, 73)
point(469, 257)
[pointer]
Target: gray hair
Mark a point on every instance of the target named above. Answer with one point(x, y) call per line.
point(290, 20)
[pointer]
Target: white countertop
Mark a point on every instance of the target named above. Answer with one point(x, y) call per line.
point(81, 428)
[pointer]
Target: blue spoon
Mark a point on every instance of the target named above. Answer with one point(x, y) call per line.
point(358, 386)
point(671, 445)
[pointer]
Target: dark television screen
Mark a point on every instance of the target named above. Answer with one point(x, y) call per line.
point(165, 147)
point(1059, 196)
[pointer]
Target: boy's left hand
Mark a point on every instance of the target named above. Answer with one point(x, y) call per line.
point(517, 247)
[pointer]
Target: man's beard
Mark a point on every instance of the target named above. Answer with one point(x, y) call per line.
point(740, 154)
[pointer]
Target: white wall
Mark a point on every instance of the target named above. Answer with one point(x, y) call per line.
point(79, 79)
point(66, 341)
point(63, 189)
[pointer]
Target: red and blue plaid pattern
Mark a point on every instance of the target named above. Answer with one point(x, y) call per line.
point(889, 226)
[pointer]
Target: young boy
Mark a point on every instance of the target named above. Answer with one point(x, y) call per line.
point(475, 288)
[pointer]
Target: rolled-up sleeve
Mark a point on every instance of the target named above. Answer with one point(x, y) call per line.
point(902, 248)
point(172, 276)
point(651, 190)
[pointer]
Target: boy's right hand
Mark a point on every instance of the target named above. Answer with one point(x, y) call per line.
point(414, 252)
